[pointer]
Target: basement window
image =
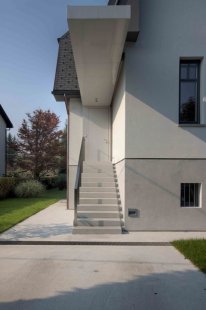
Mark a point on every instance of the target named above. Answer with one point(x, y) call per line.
point(190, 195)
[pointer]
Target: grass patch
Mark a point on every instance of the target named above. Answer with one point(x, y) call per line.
point(195, 250)
point(15, 210)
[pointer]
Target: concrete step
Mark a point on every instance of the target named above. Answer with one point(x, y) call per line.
point(97, 184)
point(97, 230)
point(98, 207)
point(98, 214)
point(98, 175)
point(98, 211)
point(98, 189)
point(99, 195)
point(97, 179)
point(97, 164)
point(99, 222)
point(99, 200)
point(97, 169)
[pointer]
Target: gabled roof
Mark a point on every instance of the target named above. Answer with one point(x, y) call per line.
point(66, 82)
point(65, 35)
point(5, 118)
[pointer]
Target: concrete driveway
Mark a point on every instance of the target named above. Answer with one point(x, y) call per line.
point(98, 277)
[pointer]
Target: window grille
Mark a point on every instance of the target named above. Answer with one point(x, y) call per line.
point(190, 194)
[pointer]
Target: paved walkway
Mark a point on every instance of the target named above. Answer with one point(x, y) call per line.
point(55, 224)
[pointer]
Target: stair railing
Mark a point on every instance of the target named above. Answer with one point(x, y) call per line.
point(78, 178)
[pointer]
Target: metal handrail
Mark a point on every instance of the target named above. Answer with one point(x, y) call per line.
point(78, 178)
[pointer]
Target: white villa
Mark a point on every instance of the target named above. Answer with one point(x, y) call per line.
point(133, 77)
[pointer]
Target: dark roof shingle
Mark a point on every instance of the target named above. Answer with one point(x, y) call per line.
point(5, 118)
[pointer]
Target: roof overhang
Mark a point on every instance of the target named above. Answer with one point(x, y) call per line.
point(98, 35)
point(5, 118)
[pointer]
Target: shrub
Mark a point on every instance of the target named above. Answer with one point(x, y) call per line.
point(62, 181)
point(7, 185)
point(49, 181)
point(29, 189)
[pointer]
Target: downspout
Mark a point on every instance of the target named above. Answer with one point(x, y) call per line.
point(66, 100)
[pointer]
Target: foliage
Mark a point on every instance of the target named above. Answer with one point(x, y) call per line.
point(63, 156)
point(62, 181)
point(12, 153)
point(195, 250)
point(15, 210)
point(39, 143)
point(29, 189)
point(49, 181)
point(6, 186)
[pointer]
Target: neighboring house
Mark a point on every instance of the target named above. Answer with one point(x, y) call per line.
point(4, 124)
point(138, 97)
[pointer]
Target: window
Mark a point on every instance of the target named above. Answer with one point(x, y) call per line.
point(189, 91)
point(190, 194)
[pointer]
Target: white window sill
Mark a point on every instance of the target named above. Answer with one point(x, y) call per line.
point(190, 207)
point(191, 125)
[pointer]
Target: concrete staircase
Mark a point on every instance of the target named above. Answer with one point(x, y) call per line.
point(99, 209)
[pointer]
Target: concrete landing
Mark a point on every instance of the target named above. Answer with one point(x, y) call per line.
point(55, 224)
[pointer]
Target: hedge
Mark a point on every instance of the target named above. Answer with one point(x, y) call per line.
point(7, 185)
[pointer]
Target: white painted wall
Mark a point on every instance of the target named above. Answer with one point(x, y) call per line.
point(120, 171)
point(118, 120)
point(99, 131)
point(96, 128)
point(75, 138)
point(75, 130)
point(118, 135)
point(2, 146)
point(168, 30)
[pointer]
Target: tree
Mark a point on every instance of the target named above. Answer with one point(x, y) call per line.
point(12, 153)
point(63, 157)
point(39, 142)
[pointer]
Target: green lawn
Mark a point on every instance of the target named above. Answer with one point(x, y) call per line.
point(15, 210)
point(195, 250)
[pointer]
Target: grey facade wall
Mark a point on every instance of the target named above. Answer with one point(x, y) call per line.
point(2, 146)
point(169, 30)
point(159, 153)
point(153, 187)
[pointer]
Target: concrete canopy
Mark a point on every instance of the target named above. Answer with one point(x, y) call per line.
point(98, 36)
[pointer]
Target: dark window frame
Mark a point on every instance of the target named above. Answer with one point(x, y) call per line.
point(197, 80)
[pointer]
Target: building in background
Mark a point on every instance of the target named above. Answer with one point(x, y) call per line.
point(133, 77)
point(5, 123)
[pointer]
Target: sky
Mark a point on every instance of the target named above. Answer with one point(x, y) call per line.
point(28, 52)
